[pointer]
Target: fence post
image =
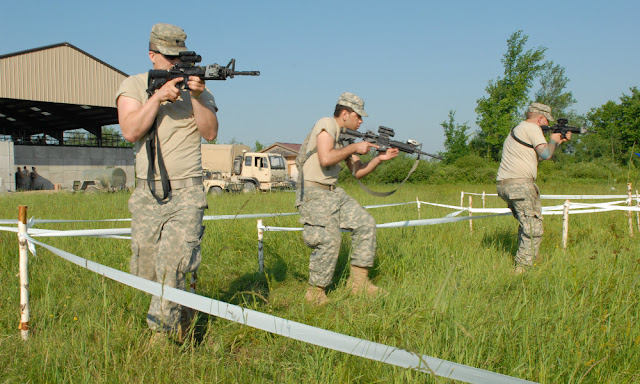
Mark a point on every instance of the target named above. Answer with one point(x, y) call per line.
point(483, 205)
point(260, 247)
point(638, 212)
point(24, 273)
point(629, 214)
point(418, 203)
point(461, 198)
point(470, 214)
point(565, 224)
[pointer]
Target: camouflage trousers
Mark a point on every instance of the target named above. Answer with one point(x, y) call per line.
point(523, 200)
point(165, 245)
point(323, 214)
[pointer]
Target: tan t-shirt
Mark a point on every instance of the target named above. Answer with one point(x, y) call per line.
point(177, 132)
point(520, 161)
point(312, 170)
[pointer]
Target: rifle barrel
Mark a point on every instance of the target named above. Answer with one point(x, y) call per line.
point(245, 73)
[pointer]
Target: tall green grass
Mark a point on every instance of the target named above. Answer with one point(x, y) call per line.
point(572, 319)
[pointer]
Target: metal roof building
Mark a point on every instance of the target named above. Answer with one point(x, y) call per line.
point(52, 89)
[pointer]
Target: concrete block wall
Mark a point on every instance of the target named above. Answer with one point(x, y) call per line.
point(7, 167)
point(64, 165)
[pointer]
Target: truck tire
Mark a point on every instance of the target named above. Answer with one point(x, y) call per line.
point(92, 189)
point(215, 191)
point(249, 187)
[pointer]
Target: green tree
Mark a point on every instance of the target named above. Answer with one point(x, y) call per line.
point(617, 125)
point(257, 147)
point(455, 139)
point(111, 136)
point(553, 83)
point(507, 96)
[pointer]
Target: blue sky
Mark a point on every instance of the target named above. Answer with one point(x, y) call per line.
point(411, 61)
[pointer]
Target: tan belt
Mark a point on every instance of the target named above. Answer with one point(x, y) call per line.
point(313, 184)
point(514, 181)
point(175, 184)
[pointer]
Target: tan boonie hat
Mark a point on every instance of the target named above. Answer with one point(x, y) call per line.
point(354, 102)
point(542, 109)
point(168, 38)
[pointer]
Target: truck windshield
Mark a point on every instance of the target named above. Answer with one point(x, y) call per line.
point(277, 162)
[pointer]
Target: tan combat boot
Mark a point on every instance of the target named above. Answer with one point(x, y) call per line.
point(186, 324)
point(359, 282)
point(316, 296)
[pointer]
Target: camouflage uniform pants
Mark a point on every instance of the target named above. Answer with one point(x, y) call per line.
point(524, 201)
point(323, 214)
point(165, 245)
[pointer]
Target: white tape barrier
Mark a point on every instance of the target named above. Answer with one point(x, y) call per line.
point(451, 218)
point(600, 207)
point(125, 233)
point(206, 218)
point(563, 197)
point(399, 224)
point(294, 330)
point(117, 233)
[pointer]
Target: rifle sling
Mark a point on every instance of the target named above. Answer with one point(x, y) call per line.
point(384, 194)
point(520, 141)
point(153, 144)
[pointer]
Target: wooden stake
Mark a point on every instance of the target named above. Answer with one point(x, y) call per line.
point(638, 212)
point(260, 247)
point(418, 203)
point(483, 205)
point(629, 214)
point(24, 273)
point(461, 198)
point(470, 214)
point(565, 224)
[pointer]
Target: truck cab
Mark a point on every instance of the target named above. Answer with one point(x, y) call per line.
point(264, 170)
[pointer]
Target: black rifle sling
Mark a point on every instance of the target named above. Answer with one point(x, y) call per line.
point(153, 147)
point(383, 194)
point(300, 165)
point(153, 144)
point(520, 141)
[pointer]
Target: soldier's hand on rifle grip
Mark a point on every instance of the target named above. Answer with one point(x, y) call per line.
point(362, 147)
point(169, 91)
point(196, 86)
point(559, 138)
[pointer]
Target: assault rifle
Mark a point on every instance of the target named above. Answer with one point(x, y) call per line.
point(382, 139)
point(187, 67)
point(562, 127)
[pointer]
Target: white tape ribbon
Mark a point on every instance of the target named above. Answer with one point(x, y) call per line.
point(295, 330)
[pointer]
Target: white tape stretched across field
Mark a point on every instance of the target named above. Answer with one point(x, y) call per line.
point(561, 197)
point(124, 233)
point(294, 330)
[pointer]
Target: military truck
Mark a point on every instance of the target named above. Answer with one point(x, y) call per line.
point(233, 168)
point(101, 180)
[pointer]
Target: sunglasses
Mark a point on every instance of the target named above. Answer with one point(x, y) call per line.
point(168, 57)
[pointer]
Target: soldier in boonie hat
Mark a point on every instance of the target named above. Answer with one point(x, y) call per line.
point(542, 109)
point(167, 39)
point(354, 102)
point(325, 208)
point(172, 122)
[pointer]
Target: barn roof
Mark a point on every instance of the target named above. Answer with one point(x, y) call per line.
point(56, 88)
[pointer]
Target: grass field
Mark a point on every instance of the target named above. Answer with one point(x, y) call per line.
point(572, 319)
